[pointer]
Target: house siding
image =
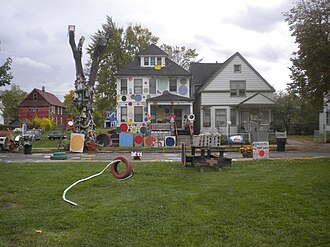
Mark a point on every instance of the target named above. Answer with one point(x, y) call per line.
point(215, 94)
point(36, 105)
point(253, 81)
point(224, 98)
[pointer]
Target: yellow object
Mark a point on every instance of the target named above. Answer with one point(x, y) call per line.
point(77, 142)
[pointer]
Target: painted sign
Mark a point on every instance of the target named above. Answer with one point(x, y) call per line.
point(260, 150)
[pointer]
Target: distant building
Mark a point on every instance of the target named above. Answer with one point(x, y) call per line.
point(110, 119)
point(43, 105)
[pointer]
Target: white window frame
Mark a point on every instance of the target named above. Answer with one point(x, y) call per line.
point(123, 114)
point(237, 88)
point(123, 90)
point(173, 82)
point(138, 114)
point(237, 68)
point(207, 117)
point(138, 86)
point(152, 85)
point(220, 117)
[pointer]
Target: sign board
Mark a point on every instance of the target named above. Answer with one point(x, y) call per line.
point(260, 150)
point(77, 143)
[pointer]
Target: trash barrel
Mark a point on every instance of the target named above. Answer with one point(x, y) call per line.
point(280, 144)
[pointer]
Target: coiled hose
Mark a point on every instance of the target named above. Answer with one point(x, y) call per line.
point(127, 174)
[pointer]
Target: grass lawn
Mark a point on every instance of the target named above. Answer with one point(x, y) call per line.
point(252, 203)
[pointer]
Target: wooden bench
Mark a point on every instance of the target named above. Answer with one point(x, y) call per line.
point(209, 157)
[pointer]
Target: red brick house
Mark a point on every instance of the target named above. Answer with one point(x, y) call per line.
point(44, 105)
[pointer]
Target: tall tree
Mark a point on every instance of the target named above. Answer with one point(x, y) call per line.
point(295, 113)
point(5, 75)
point(71, 110)
point(11, 99)
point(180, 55)
point(309, 21)
point(123, 46)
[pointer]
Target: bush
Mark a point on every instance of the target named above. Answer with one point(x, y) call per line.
point(41, 123)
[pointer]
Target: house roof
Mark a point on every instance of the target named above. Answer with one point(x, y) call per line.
point(49, 99)
point(202, 71)
point(134, 69)
point(168, 97)
point(153, 50)
point(220, 68)
point(257, 98)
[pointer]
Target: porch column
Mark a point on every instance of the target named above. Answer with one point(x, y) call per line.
point(149, 109)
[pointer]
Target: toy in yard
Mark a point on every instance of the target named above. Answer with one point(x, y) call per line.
point(246, 152)
point(136, 155)
point(128, 173)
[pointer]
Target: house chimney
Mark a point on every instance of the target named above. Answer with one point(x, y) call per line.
point(43, 88)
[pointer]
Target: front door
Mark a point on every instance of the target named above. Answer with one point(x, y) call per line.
point(178, 118)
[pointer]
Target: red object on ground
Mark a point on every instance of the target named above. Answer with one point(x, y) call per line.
point(126, 173)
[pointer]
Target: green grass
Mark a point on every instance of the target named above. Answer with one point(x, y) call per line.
point(252, 203)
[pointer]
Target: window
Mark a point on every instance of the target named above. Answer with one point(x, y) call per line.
point(34, 96)
point(237, 88)
point(152, 85)
point(207, 117)
point(146, 61)
point(138, 86)
point(173, 85)
point(152, 61)
point(123, 86)
point(327, 120)
point(237, 68)
point(123, 114)
point(233, 118)
point(220, 117)
point(138, 114)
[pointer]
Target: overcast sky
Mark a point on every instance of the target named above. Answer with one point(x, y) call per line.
point(34, 34)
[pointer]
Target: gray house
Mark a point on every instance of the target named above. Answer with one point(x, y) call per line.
point(227, 96)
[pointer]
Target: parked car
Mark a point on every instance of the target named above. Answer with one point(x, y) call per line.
point(36, 134)
point(56, 135)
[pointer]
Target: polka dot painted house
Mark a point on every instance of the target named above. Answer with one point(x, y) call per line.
point(153, 93)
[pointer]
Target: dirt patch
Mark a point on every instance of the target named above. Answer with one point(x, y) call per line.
point(7, 205)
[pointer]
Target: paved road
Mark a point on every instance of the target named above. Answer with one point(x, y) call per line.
point(146, 156)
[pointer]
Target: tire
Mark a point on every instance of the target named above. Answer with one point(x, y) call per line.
point(126, 173)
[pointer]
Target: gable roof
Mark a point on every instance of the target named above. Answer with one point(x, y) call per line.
point(171, 68)
point(168, 97)
point(257, 98)
point(50, 98)
point(225, 64)
point(153, 50)
point(202, 71)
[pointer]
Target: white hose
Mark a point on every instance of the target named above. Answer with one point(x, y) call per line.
point(85, 179)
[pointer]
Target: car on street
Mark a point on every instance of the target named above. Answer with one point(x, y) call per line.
point(56, 135)
point(36, 134)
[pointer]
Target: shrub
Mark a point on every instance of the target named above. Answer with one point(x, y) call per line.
point(41, 123)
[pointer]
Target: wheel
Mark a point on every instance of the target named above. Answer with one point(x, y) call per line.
point(128, 170)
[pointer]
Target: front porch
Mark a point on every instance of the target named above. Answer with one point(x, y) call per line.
point(170, 110)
